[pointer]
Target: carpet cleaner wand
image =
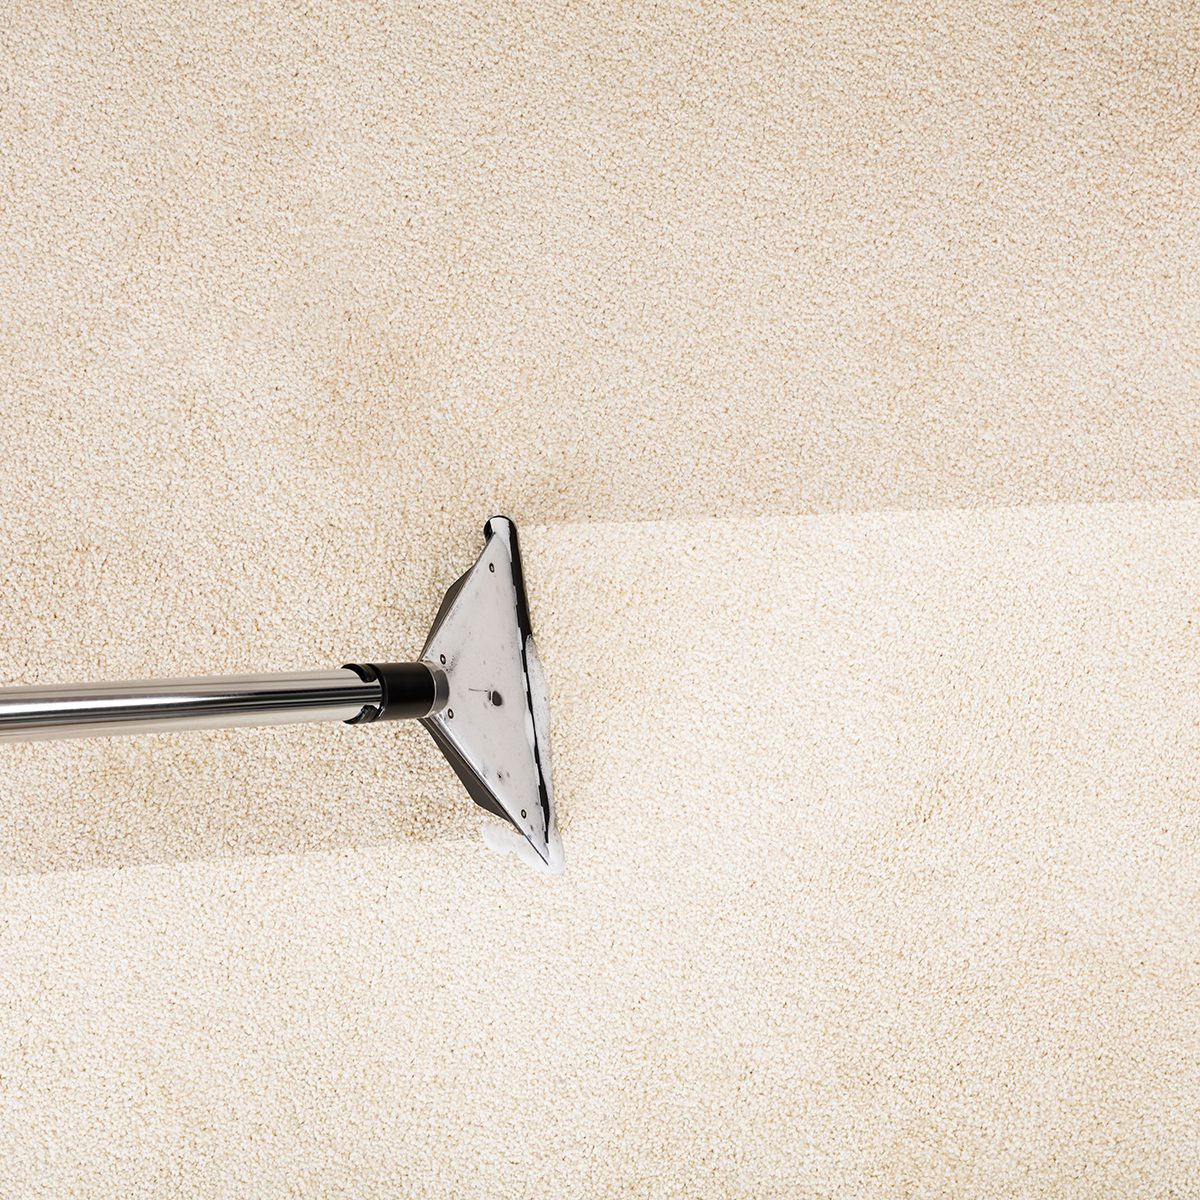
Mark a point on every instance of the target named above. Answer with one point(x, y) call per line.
point(478, 688)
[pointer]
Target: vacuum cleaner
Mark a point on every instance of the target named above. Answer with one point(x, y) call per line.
point(477, 687)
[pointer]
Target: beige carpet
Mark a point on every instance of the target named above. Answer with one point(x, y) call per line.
point(841, 365)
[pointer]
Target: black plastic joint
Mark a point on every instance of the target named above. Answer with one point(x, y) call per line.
point(408, 690)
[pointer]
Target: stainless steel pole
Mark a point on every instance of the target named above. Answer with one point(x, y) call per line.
point(146, 706)
point(478, 689)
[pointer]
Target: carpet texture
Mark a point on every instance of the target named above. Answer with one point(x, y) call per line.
point(840, 366)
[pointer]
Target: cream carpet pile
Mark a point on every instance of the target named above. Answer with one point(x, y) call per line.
point(840, 365)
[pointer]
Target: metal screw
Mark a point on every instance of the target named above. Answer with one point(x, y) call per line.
point(450, 713)
point(492, 568)
point(522, 814)
point(443, 658)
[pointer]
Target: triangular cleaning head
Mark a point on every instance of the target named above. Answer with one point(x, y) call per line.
point(494, 725)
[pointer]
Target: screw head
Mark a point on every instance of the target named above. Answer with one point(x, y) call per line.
point(450, 714)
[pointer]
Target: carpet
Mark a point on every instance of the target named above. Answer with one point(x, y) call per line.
point(839, 365)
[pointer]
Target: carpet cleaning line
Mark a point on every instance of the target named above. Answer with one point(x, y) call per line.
point(478, 688)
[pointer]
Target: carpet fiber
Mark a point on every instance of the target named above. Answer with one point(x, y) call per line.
point(840, 367)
